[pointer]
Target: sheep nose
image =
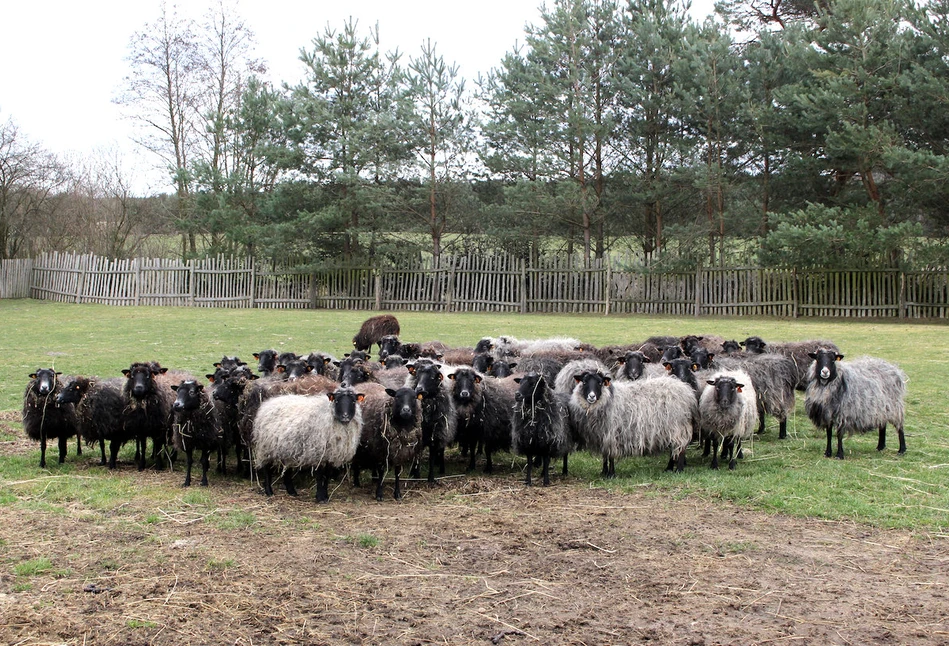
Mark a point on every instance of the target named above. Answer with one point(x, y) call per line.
point(591, 398)
point(824, 372)
point(178, 405)
point(138, 391)
point(44, 389)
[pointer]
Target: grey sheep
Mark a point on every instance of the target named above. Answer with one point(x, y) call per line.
point(45, 417)
point(620, 419)
point(728, 409)
point(855, 397)
point(391, 434)
point(797, 351)
point(774, 377)
point(307, 432)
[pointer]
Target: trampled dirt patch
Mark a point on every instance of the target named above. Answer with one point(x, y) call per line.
point(471, 561)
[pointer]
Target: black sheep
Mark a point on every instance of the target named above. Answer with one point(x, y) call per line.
point(483, 406)
point(194, 425)
point(147, 413)
point(540, 426)
point(373, 329)
point(45, 417)
point(439, 421)
point(99, 412)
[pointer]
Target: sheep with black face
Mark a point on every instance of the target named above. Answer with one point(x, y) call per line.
point(856, 396)
point(44, 417)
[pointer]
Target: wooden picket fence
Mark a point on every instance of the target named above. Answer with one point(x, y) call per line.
point(482, 284)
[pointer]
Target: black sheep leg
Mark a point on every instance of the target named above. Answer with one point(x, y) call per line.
point(546, 465)
point(881, 442)
point(288, 483)
point(43, 450)
point(322, 485)
point(830, 436)
point(840, 444)
point(397, 494)
point(902, 436)
point(62, 449)
point(530, 466)
point(714, 446)
point(205, 465)
point(189, 459)
point(267, 479)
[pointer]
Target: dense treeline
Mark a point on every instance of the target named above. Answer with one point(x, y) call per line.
point(779, 133)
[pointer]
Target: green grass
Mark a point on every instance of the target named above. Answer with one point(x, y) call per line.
point(790, 476)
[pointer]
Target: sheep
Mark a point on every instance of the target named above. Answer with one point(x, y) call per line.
point(298, 431)
point(483, 406)
point(798, 351)
point(373, 329)
point(565, 381)
point(226, 392)
point(855, 397)
point(728, 412)
point(540, 426)
point(44, 417)
point(320, 363)
point(633, 418)
point(774, 377)
point(266, 362)
point(148, 404)
point(195, 425)
point(635, 365)
point(731, 347)
point(391, 434)
point(439, 420)
point(690, 343)
point(99, 405)
point(229, 363)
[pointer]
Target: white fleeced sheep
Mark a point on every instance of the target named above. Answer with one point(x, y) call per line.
point(307, 432)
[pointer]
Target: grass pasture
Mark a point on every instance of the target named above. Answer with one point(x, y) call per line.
point(128, 557)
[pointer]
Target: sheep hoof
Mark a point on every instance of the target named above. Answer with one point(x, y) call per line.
point(186, 484)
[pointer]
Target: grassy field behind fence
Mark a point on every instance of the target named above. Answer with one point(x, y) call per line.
point(789, 476)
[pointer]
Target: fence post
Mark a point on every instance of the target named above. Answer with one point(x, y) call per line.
point(523, 286)
point(795, 293)
point(608, 287)
point(698, 291)
point(191, 286)
point(252, 279)
point(450, 289)
point(377, 288)
point(902, 294)
point(137, 277)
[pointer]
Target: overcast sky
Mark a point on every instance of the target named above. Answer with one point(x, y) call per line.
point(63, 61)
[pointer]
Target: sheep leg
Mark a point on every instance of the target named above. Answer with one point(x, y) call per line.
point(189, 460)
point(205, 465)
point(840, 444)
point(397, 494)
point(530, 466)
point(546, 469)
point(783, 428)
point(416, 470)
point(881, 443)
point(899, 432)
point(140, 454)
point(267, 479)
point(830, 436)
point(488, 465)
point(471, 456)
point(43, 450)
point(62, 449)
point(707, 450)
point(760, 422)
point(565, 472)
point(431, 464)
point(102, 460)
point(288, 483)
point(322, 485)
point(734, 451)
point(355, 471)
point(378, 478)
point(606, 467)
point(78, 445)
point(714, 442)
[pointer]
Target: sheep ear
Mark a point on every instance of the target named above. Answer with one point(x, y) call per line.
point(695, 367)
point(257, 355)
point(174, 387)
point(647, 360)
point(738, 387)
point(331, 396)
point(32, 375)
point(621, 360)
point(578, 378)
point(667, 366)
point(326, 361)
point(606, 381)
point(217, 364)
point(360, 397)
point(281, 368)
point(210, 378)
point(420, 396)
point(711, 356)
point(452, 376)
point(390, 392)
point(517, 380)
point(199, 386)
point(710, 382)
point(477, 379)
point(839, 357)
point(812, 355)
point(126, 372)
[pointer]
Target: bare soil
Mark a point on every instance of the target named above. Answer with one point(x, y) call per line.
point(469, 561)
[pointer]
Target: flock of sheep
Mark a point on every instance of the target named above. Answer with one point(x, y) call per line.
point(541, 399)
